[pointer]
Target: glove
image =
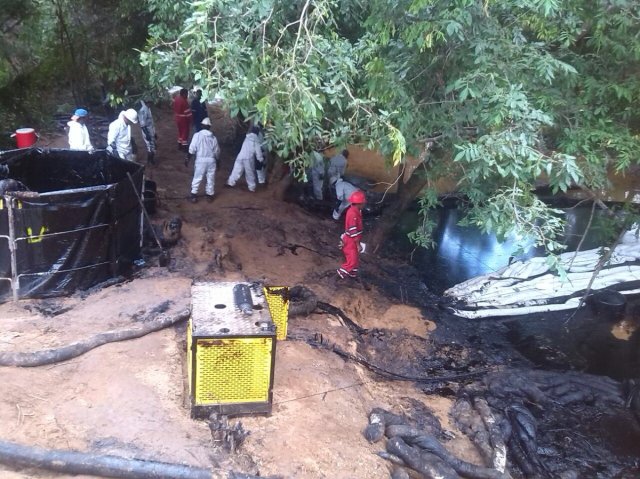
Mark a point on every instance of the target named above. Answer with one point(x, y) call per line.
point(341, 242)
point(363, 247)
point(187, 159)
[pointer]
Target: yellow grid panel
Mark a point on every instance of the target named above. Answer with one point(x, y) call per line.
point(232, 370)
point(278, 302)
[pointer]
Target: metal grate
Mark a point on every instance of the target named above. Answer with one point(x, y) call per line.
point(278, 302)
point(232, 370)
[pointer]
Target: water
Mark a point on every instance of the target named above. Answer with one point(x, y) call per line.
point(462, 253)
point(588, 342)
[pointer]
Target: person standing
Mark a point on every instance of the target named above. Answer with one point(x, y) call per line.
point(78, 132)
point(199, 110)
point(205, 146)
point(344, 190)
point(148, 131)
point(119, 136)
point(182, 114)
point(317, 172)
point(338, 165)
point(350, 240)
point(245, 161)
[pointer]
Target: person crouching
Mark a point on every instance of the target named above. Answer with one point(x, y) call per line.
point(350, 240)
point(204, 146)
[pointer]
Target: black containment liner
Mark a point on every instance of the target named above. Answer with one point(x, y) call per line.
point(78, 225)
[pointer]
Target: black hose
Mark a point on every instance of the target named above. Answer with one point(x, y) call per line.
point(389, 374)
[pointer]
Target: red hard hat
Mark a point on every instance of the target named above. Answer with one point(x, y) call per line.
point(357, 197)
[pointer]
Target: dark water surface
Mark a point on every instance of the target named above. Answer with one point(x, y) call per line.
point(465, 252)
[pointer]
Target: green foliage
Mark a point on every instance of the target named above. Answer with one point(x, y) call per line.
point(49, 47)
point(519, 90)
point(282, 63)
point(423, 235)
point(520, 215)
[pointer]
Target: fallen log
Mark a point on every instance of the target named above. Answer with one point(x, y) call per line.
point(64, 353)
point(73, 462)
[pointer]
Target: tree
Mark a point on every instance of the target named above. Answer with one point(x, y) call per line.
point(495, 94)
point(47, 45)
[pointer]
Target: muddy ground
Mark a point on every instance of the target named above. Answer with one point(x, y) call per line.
point(127, 398)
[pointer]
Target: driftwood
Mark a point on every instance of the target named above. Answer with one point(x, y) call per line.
point(64, 353)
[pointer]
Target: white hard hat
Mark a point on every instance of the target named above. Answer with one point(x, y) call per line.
point(131, 115)
point(206, 122)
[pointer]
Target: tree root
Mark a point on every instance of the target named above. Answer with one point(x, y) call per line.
point(64, 353)
point(351, 324)
point(302, 301)
point(426, 464)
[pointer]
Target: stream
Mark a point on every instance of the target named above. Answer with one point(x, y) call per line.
point(585, 341)
point(463, 252)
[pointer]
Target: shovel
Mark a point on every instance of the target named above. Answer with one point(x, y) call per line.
point(163, 259)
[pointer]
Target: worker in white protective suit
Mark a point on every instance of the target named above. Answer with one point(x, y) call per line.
point(245, 161)
point(148, 131)
point(204, 146)
point(317, 173)
point(78, 132)
point(119, 135)
point(338, 165)
point(344, 190)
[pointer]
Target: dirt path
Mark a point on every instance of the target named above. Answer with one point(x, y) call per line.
point(127, 398)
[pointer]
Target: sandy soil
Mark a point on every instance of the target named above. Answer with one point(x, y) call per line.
point(127, 398)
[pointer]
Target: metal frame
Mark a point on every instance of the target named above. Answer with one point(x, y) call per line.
point(206, 319)
point(13, 241)
point(200, 411)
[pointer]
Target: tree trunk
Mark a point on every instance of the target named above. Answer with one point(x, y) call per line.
point(67, 46)
point(407, 192)
point(280, 179)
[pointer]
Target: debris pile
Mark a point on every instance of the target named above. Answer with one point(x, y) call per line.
point(524, 423)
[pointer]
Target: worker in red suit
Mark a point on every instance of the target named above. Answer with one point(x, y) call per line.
point(182, 114)
point(350, 239)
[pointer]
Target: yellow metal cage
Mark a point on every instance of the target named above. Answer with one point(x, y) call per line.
point(278, 302)
point(230, 354)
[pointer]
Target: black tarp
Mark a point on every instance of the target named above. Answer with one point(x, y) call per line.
point(77, 225)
